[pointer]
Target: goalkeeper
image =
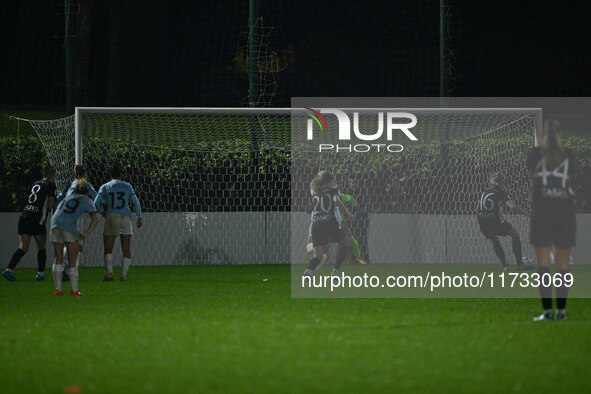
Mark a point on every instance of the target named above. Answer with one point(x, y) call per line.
point(353, 244)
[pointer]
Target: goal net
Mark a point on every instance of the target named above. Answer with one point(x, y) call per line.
point(416, 198)
point(231, 185)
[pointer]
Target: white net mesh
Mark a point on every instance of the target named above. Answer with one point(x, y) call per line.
point(221, 186)
point(419, 205)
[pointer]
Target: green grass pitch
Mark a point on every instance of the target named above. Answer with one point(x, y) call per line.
point(236, 329)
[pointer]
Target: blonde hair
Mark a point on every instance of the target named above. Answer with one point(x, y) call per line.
point(552, 149)
point(497, 180)
point(321, 181)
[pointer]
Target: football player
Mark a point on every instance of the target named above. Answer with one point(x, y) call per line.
point(32, 223)
point(552, 167)
point(493, 225)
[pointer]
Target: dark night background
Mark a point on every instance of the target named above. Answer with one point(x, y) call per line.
point(193, 53)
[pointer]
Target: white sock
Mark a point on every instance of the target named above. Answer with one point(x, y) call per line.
point(41, 273)
point(125, 263)
point(58, 270)
point(109, 263)
point(73, 274)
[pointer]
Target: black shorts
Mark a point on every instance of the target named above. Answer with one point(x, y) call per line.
point(490, 227)
point(553, 227)
point(29, 225)
point(325, 232)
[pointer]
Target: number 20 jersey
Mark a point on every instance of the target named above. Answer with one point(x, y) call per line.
point(324, 207)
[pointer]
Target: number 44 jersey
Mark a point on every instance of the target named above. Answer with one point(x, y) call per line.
point(552, 185)
point(115, 196)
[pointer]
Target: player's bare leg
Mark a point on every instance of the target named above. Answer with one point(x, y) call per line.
point(126, 251)
point(108, 242)
point(543, 257)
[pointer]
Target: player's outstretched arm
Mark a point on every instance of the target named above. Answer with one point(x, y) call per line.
point(515, 208)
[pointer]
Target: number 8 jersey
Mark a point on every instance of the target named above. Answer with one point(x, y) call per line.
point(116, 195)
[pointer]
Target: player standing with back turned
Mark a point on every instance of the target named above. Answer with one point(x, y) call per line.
point(326, 227)
point(553, 222)
point(115, 195)
point(32, 223)
point(492, 224)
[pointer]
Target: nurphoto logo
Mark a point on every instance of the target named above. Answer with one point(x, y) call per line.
point(371, 140)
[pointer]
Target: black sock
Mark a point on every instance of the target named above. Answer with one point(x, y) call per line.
point(313, 263)
point(500, 253)
point(341, 254)
point(41, 260)
point(561, 291)
point(517, 250)
point(16, 257)
point(545, 291)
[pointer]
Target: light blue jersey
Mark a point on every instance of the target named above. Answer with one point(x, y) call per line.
point(69, 211)
point(67, 192)
point(116, 195)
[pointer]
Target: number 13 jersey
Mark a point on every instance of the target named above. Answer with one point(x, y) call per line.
point(116, 195)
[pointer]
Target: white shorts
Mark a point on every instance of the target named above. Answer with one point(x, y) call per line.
point(62, 236)
point(116, 224)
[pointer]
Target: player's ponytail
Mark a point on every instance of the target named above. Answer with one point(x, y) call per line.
point(48, 171)
point(552, 149)
point(80, 172)
point(321, 181)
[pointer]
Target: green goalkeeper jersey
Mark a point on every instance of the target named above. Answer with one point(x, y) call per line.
point(347, 199)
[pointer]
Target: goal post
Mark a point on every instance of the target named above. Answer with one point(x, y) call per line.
point(204, 204)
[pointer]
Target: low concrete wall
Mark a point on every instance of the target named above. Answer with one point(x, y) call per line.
point(268, 237)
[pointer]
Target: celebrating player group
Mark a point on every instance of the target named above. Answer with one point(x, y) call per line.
point(112, 201)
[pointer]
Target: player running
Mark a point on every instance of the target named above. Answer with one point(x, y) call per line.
point(115, 195)
point(64, 232)
point(326, 226)
point(553, 222)
point(493, 225)
point(32, 224)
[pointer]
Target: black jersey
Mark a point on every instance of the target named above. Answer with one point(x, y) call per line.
point(323, 206)
point(36, 207)
point(552, 185)
point(490, 203)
